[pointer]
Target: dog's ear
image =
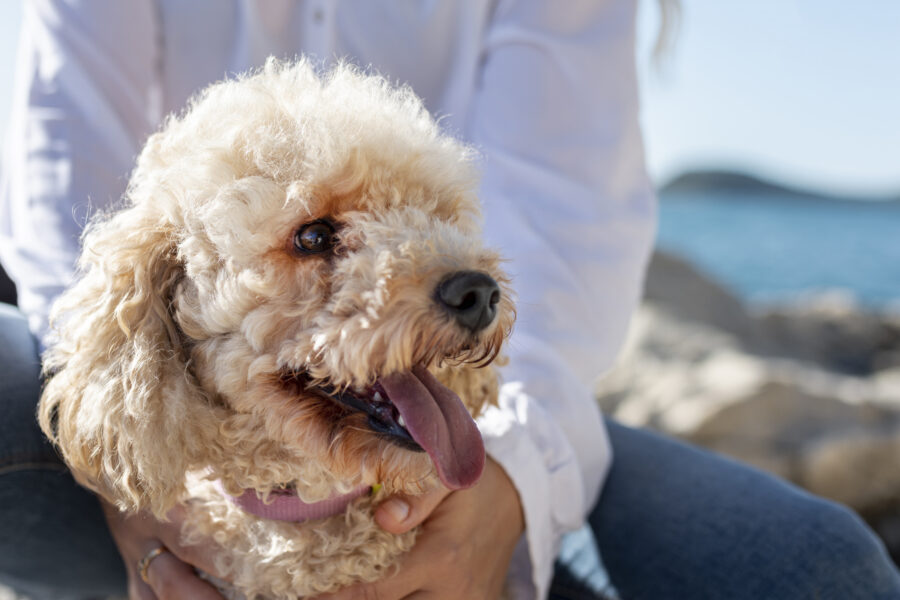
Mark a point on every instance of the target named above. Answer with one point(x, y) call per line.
point(120, 402)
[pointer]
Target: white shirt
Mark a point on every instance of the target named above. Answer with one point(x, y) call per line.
point(546, 90)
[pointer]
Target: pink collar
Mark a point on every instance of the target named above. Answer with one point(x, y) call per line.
point(286, 505)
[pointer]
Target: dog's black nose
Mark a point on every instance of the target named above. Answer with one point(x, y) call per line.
point(471, 297)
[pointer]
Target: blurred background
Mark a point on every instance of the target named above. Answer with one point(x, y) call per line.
point(770, 329)
point(771, 326)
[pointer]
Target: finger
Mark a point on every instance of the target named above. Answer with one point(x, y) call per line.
point(201, 556)
point(368, 591)
point(399, 514)
point(408, 579)
point(172, 579)
point(418, 568)
point(395, 588)
point(138, 590)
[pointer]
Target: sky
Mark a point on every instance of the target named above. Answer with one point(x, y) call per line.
point(806, 92)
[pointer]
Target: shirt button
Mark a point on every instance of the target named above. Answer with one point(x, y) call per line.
point(318, 15)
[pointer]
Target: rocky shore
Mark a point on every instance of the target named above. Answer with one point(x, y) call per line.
point(809, 391)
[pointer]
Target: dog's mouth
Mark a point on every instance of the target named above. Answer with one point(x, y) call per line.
point(415, 411)
point(383, 416)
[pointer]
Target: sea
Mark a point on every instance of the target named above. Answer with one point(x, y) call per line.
point(771, 248)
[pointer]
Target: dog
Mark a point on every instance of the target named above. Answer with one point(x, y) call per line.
point(292, 317)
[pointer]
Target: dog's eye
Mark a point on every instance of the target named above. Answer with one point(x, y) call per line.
point(314, 237)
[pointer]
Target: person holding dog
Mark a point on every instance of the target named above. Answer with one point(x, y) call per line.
point(550, 98)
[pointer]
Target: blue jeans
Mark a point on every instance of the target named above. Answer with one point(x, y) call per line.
point(677, 522)
point(53, 538)
point(673, 522)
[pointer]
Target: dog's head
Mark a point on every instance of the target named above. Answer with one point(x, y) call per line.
point(294, 288)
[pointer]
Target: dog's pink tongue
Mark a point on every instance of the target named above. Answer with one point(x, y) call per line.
point(436, 418)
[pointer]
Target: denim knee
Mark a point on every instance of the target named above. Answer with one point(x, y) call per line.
point(804, 546)
point(21, 440)
point(675, 521)
point(54, 542)
point(841, 554)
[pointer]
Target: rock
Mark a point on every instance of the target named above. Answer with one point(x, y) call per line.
point(835, 333)
point(692, 296)
point(810, 391)
point(858, 468)
point(829, 329)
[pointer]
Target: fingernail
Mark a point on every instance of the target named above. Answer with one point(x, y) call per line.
point(398, 509)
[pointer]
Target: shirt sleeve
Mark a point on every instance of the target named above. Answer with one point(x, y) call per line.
point(85, 97)
point(568, 201)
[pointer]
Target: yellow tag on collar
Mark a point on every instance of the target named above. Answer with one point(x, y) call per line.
point(376, 488)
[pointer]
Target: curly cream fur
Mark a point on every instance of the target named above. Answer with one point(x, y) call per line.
point(277, 559)
point(192, 305)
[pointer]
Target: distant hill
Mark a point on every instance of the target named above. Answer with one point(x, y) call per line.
point(732, 182)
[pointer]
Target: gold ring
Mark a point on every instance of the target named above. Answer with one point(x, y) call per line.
point(144, 563)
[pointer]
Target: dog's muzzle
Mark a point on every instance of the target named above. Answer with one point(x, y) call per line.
point(415, 411)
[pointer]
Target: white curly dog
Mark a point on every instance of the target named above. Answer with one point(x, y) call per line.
point(291, 317)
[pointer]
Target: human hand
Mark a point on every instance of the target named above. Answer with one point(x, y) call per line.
point(464, 547)
point(171, 574)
